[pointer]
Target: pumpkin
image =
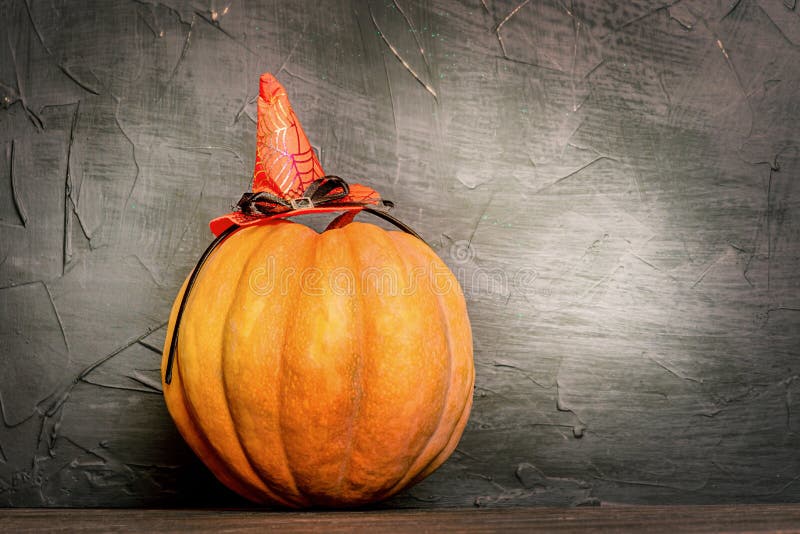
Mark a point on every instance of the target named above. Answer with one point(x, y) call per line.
point(321, 369)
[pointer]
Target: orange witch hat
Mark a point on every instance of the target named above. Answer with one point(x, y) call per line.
point(288, 179)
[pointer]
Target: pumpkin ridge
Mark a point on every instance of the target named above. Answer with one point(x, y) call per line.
point(224, 351)
point(192, 410)
point(374, 236)
point(297, 498)
point(281, 368)
point(358, 372)
point(451, 443)
point(190, 426)
point(447, 388)
point(434, 463)
point(206, 446)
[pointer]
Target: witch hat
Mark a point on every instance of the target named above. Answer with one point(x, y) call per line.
point(288, 179)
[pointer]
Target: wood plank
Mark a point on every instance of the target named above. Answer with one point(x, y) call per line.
point(733, 518)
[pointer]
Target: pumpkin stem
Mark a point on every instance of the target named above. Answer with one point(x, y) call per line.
point(342, 220)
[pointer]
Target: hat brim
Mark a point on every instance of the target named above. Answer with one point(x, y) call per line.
point(220, 224)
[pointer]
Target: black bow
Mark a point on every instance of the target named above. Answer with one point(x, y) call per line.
point(325, 191)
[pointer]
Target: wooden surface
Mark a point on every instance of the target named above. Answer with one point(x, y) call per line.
point(764, 518)
point(614, 182)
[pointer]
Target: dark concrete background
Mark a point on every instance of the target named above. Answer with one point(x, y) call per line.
point(613, 182)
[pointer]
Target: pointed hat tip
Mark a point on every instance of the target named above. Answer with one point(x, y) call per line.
point(268, 84)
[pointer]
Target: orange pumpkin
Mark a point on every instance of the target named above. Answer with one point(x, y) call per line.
point(321, 369)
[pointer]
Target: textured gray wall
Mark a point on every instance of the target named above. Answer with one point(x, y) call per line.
point(614, 182)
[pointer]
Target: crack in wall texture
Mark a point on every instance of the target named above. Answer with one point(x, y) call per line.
point(613, 182)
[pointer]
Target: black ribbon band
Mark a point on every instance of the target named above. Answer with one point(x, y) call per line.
point(173, 345)
point(321, 192)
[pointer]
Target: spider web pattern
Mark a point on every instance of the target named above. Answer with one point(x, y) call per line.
point(285, 161)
